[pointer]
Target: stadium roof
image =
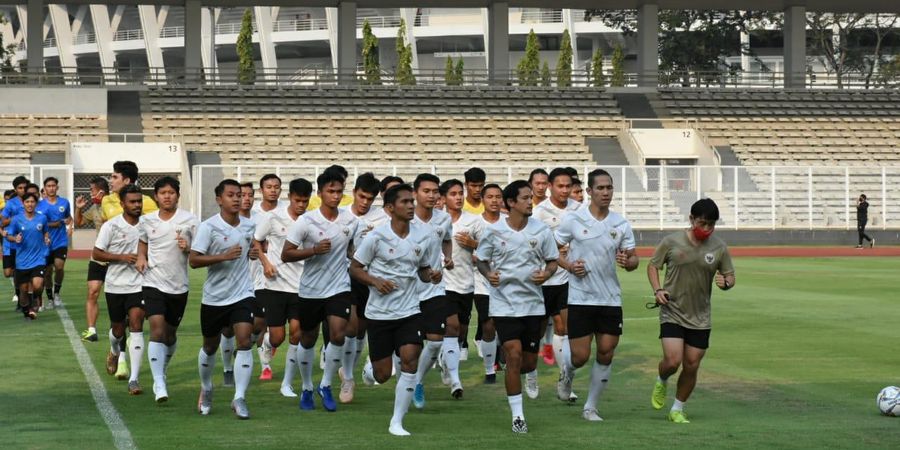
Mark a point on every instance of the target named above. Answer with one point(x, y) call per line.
point(841, 6)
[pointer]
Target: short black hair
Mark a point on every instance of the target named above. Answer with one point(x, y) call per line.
point(32, 186)
point(220, 188)
point(536, 172)
point(475, 175)
point(30, 195)
point(424, 178)
point(128, 169)
point(19, 180)
point(167, 181)
point(267, 177)
point(101, 183)
point(388, 180)
point(558, 172)
point(576, 182)
point(705, 209)
point(594, 174)
point(130, 188)
point(863, 196)
point(447, 185)
point(368, 184)
point(491, 186)
point(8, 194)
point(511, 191)
point(49, 179)
point(339, 170)
point(573, 172)
point(301, 187)
point(329, 176)
point(390, 195)
point(247, 184)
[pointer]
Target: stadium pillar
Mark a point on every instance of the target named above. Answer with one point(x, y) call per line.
point(193, 39)
point(346, 42)
point(34, 35)
point(498, 43)
point(795, 47)
point(648, 45)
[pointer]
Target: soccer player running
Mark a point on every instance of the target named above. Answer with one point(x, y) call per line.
point(440, 326)
point(392, 259)
point(492, 196)
point(280, 296)
point(165, 241)
point(598, 240)
point(29, 231)
point(96, 273)
point(517, 255)
point(577, 192)
point(223, 245)
point(59, 217)
point(539, 180)
point(270, 193)
point(475, 178)
point(323, 240)
point(11, 209)
point(694, 259)
point(117, 244)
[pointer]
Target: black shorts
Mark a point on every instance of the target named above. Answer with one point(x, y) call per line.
point(461, 305)
point(360, 294)
point(97, 271)
point(588, 320)
point(314, 310)
point(526, 330)
point(279, 306)
point(482, 305)
point(9, 261)
point(694, 338)
point(118, 305)
point(434, 315)
point(259, 309)
point(171, 306)
point(556, 298)
point(59, 253)
point(387, 336)
point(26, 275)
point(214, 318)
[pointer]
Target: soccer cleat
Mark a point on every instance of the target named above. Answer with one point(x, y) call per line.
point(328, 403)
point(134, 388)
point(265, 353)
point(872, 243)
point(367, 375)
point(288, 391)
point(519, 426)
point(15, 299)
point(266, 374)
point(48, 306)
point(122, 369)
point(57, 301)
point(678, 417)
point(490, 378)
point(306, 401)
point(859, 247)
point(445, 372)
point(239, 406)
point(464, 354)
point(591, 415)
point(531, 387)
point(658, 399)
point(547, 353)
point(347, 387)
point(160, 393)
point(456, 391)
point(204, 402)
point(228, 379)
point(573, 397)
point(419, 396)
point(89, 336)
point(397, 430)
point(112, 362)
point(564, 386)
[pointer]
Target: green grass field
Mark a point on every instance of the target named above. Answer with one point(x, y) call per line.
point(799, 350)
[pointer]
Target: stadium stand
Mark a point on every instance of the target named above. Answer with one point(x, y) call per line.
point(24, 135)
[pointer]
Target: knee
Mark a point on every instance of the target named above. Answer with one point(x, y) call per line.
point(579, 358)
point(159, 336)
point(605, 358)
point(671, 362)
point(276, 339)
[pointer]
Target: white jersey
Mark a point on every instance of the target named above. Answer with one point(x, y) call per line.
point(257, 207)
point(373, 219)
point(441, 229)
point(167, 265)
point(552, 216)
point(257, 274)
point(227, 282)
point(324, 275)
point(482, 286)
point(461, 279)
point(517, 255)
point(273, 228)
point(395, 259)
point(119, 237)
point(596, 243)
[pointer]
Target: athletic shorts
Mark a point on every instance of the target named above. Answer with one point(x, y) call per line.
point(259, 309)
point(526, 330)
point(556, 298)
point(482, 305)
point(9, 261)
point(694, 338)
point(280, 307)
point(59, 253)
point(434, 315)
point(461, 305)
point(171, 306)
point(118, 305)
point(588, 320)
point(360, 294)
point(313, 311)
point(387, 336)
point(97, 271)
point(214, 318)
point(26, 275)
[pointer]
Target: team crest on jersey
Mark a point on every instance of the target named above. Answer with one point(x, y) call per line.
point(40, 226)
point(62, 209)
point(709, 257)
point(439, 232)
point(613, 234)
point(418, 251)
point(346, 231)
point(390, 251)
point(585, 232)
point(532, 243)
point(370, 226)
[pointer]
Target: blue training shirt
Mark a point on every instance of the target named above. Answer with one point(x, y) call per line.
point(32, 251)
point(13, 208)
point(57, 212)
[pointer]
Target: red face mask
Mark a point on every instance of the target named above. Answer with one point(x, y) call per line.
point(701, 234)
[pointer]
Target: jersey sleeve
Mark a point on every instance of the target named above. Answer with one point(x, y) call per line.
point(142, 230)
point(485, 246)
point(628, 242)
point(448, 230)
point(725, 265)
point(104, 236)
point(563, 233)
point(263, 227)
point(203, 240)
point(661, 254)
point(549, 249)
point(297, 233)
point(365, 252)
point(477, 230)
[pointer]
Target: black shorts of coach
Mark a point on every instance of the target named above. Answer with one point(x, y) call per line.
point(461, 305)
point(556, 298)
point(435, 311)
point(118, 305)
point(26, 275)
point(9, 261)
point(57, 253)
point(214, 318)
point(314, 310)
point(97, 271)
point(279, 306)
point(387, 336)
point(526, 330)
point(360, 294)
point(170, 306)
point(694, 338)
point(586, 320)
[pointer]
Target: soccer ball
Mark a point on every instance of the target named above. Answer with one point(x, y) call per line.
point(889, 401)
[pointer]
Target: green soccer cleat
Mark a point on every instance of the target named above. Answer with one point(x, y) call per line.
point(658, 399)
point(678, 417)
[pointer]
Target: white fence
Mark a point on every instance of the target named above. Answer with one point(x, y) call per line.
point(659, 197)
point(37, 173)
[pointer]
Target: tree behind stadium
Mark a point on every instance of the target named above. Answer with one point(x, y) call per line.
point(529, 68)
point(246, 66)
point(371, 63)
point(404, 75)
point(564, 63)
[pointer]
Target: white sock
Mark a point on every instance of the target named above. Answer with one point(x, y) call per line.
point(114, 343)
point(92, 330)
point(395, 359)
point(515, 404)
point(228, 353)
point(305, 361)
point(599, 378)
point(348, 357)
point(243, 371)
point(290, 365)
point(427, 359)
point(156, 353)
point(333, 355)
point(489, 350)
point(136, 353)
point(403, 394)
point(206, 364)
point(567, 355)
point(678, 405)
point(548, 333)
point(170, 352)
point(560, 351)
point(450, 352)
